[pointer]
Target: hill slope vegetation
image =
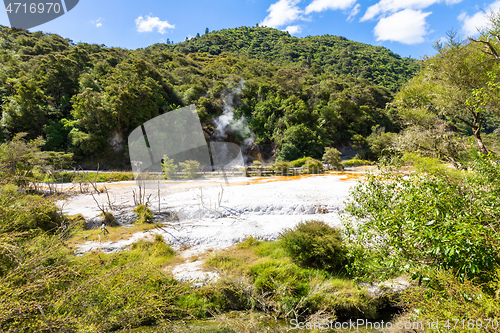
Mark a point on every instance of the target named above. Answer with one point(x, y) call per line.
point(87, 98)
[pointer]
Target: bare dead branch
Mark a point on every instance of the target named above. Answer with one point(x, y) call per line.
point(490, 47)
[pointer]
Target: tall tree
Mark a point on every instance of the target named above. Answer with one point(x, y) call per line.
point(458, 84)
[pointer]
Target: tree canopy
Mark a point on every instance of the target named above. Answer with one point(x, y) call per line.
point(332, 54)
point(457, 90)
point(87, 98)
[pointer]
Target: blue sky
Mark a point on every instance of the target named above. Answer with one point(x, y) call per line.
point(407, 27)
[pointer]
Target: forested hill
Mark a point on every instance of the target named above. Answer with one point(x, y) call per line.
point(332, 54)
point(87, 98)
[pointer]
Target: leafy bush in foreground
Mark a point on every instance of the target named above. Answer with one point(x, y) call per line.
point(314, 243)
point(439, 217)
point(447, 298)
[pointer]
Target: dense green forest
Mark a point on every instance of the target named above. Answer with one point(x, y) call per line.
point(86, 99)
point(332, 54)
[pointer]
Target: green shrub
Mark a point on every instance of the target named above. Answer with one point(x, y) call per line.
point(145, 214)
point(447, 297)
point(355, 162)
point(439, 217)
point(313, 166)
point(83, 177)
point(109, 219)
point(332, 158)
point(155, 248)
point(22, 212)
point(380, 141)
point(282, 168)
point(300, 162)
point(288, 152)
point(316, 244)
point(77, 222)
point(271, 275)
point(169, 167)
point(248, 242)
point(190, 168)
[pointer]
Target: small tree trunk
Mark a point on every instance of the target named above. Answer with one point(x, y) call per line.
point(476, 126)
point(480, 145)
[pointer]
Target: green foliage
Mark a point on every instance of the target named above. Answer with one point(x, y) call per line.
point(86, 99)
point(190, 169)
point(94, 292)
point(288, 152)
point(24, 163)
point(108, 219)
point(298, 163)
point(169, 167)
point(353, 162)
point(27, 213)
point(439, 217)
point(379, 142)
point(155, 248)
point(248, 242)
point(87, 177)
point(455, 92)
point(333, 54)
point(305, 140)
point(145, 214)
point(282, 168)
point(313, 166)
point(449, 298)
point(274, 284)
point(316, 244)
point(332, 158)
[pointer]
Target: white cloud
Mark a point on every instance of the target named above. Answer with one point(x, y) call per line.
point(471, 25)
point(392, 6)
point(322, 5)
point(407, 26)
point(151, 23)
point(293, 29)
point(281, 13)
point(98, 22)
point(354, 12)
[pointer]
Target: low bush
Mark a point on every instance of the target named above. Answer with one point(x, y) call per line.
point(23, 212)
point(108, 219)
point(448, 298)
point(313, 167)
point(439, 217)
point(190, 169)
point(155, 248)
point(145, 215)
point(282, 167)
point(332, 158)
point(355, 162)
point(300, 162)
point(315, 244)
point(169, 168)
point(87, 177)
